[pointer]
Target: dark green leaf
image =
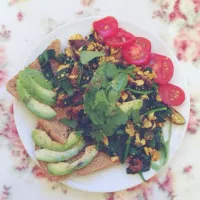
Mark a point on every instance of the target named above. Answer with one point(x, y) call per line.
point(45, 64)
point(78, 133)
point(46, 55)
point(67, 87)
point(129, 69)
point(133, 151)
point(97, 135)
point(68, 122)
point(128, 142)
point(80, 72)
point(87, 56)
point(152, 143)
point(142, 177)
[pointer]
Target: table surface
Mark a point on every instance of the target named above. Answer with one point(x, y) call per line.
point(24, 24)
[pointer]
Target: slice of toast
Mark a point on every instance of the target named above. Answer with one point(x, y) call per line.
point(11, 85)
point(101, 161)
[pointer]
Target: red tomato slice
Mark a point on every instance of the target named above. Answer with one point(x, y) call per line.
point(171, 94)
point(145, 43)
point(120, 39)
point(163, 67)
point(138, 53)
point(106, 27)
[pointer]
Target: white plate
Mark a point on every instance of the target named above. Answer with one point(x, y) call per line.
point(115, 178)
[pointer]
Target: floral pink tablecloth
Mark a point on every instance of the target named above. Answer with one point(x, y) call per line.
point(23, 25)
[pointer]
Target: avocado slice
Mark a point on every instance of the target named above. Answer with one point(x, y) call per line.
point(39, 109)
point(38, 77)
point(129, 106)
point(63, 168)
point(54, 156)
point(42, 140)
point(35, 90)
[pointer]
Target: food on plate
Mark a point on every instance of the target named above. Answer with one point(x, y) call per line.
point(120, 39)
point(39, 109)
point(47, 155)
point(106, 27)
point(101, 102)
point(171, 94)
point(162, 66)
point(137, 53)
point(42, 140)
point(64, 168)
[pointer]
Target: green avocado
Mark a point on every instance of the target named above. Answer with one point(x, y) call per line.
point(35, 90)
point(42, 140)
point(38, 77)
point(129, 106)
point(39, 109)
point(54, 156)
point(64, 168)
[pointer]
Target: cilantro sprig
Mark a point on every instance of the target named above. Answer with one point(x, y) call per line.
point(100, 101)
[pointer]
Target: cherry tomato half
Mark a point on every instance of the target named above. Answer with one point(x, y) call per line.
point(120, 39)
point(137, 53)
point(163, 67)
point(171, 94)
point(106, 27)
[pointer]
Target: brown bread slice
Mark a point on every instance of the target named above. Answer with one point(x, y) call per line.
point(11, 85)
point(56, 130)
point(101, 161)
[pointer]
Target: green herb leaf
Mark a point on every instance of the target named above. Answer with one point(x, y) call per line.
point(136, 116)
point(68, 122)
point(139, 91)
point(45, 64)
point(46, 55)
point(67, 87)
point(80, 72)
point(128, 142)
point(102, 96)
point(129, 69)
point(87, 56)
point(97, 135)
point(111, 70)
point(142, 177)
point(78, 133)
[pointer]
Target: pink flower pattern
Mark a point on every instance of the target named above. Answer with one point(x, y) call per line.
point(4, 33)
point(9, 131)
point(194, 119)
point(186, 42)
point(187, 169)
point(187, 49)
point(87, 2)
point(4, 195)
point(20, 16)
